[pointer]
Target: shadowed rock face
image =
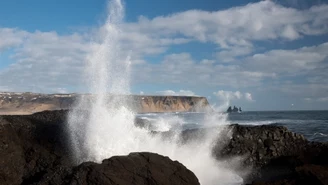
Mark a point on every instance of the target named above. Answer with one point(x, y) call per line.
point(32, 145)
point(261, 143)
point(34, 149)
point(277, 155)
point(136, 168)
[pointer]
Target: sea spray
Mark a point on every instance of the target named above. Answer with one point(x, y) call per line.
point(101, 125)
point(93, 122)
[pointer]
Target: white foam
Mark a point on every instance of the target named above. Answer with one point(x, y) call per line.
point(108, 129)
point(264, 122)
point(321, 134)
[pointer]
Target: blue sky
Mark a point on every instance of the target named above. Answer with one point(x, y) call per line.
point(269, 55)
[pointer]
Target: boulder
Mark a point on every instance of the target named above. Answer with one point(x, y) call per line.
point(135, 168)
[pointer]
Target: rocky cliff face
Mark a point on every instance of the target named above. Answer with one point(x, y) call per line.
point(171, 104)
point(28, 103)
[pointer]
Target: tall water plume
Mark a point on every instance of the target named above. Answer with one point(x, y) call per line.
point(92, 123)
point(103, 126)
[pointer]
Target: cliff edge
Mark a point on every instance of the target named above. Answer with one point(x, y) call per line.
point(29, 103)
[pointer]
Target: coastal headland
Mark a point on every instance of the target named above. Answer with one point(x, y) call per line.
point(29, 103)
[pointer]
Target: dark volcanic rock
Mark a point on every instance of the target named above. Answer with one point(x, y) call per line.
point(31, 145)
point(260, 144)
point(136, 168)
point(34, 150)
point(277, 155)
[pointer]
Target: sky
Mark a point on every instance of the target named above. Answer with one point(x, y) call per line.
point(260, 55)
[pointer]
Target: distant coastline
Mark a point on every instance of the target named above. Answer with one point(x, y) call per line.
point(16, 103)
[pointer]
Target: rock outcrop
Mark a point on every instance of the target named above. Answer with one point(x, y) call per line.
point(136, 168)
point(34, 150)
point(32, 145)
point(277, 155)
point(261, 143)
point(28, 103)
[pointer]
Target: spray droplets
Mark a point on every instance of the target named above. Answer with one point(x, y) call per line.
point(102, 125)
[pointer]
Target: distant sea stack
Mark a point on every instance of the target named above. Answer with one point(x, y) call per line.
point(234, 109)
point(28, 103)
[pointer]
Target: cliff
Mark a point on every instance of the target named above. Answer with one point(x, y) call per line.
point(28, 103)
point(171, 104)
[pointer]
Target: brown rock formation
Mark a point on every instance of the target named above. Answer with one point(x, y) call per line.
point(28, 103)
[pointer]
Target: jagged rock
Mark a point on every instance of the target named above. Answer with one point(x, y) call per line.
point(31, 145)
point(277, 155)
point(34, 150)
point(136, 168)
point(261, 143)
point(304, 175)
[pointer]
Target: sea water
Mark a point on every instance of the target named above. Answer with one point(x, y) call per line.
point(312, 124)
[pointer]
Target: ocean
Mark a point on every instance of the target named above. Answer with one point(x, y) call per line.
point(312, 124)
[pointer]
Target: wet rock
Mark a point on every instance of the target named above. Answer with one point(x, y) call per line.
point(34, 150)
point(268, 142)
point(262, 142)
point(136, 168)
point(31, 145)
point(278, 157)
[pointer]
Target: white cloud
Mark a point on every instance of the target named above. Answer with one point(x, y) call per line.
point(248, 97)
point(308, 99)
point(183, 69)
point(233, 29)
point(46, 62)
point(230, 95)
point(305, 91)
point(11, 37)
point(229, 55)
point(176, 93)
point(289, 62)
point(323, 99)
point(236, 26)
point(225, 98)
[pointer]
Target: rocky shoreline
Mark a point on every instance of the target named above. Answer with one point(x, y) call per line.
point(277, 155)
point(34, 149)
